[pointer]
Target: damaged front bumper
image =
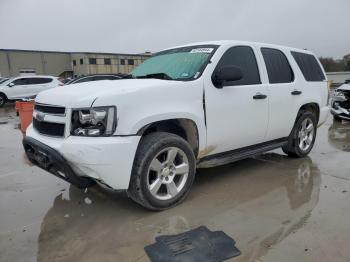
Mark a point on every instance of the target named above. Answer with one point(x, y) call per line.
point(83, 160)
point(341, 104)
point(50, 160)
point(338, 108)
point(341, 113)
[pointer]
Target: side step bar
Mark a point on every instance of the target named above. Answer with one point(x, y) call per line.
point(239, 154)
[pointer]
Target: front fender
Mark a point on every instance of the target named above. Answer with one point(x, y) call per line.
point(174, 115)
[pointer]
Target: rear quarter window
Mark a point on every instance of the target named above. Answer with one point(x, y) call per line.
point(309, 67)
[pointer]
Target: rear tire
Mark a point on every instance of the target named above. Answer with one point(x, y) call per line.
point(302, 138)
point(163, 171)
point(3, 100)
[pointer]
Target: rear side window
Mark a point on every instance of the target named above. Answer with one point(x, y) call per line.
point(244, 58)
point(38, 81)
point(309, 67)
point(277, 65)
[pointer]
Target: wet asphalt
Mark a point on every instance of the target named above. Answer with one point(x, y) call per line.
point(276, 208)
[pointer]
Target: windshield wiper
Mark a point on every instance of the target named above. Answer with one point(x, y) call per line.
point(163, 76)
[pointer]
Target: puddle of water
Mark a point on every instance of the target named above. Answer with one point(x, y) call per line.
point(260, 202)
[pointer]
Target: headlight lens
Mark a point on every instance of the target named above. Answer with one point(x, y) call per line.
point(95, 121)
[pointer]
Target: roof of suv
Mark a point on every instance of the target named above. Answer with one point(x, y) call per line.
point(235, 42)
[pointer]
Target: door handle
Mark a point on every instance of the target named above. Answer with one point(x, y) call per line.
point(259, 96)
point(296, 92)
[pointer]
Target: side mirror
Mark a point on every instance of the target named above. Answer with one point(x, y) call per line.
point(226, 74)
point(10, 84)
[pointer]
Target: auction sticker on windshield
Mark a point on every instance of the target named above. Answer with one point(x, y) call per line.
point(202, 50)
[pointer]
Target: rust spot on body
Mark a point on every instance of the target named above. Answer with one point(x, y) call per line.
point(204, 152)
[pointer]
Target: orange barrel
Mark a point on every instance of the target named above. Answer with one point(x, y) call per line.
point(25, 110)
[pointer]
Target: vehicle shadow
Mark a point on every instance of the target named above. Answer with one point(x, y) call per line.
point(257, 201)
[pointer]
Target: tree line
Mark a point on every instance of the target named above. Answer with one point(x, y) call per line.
point(332, 65)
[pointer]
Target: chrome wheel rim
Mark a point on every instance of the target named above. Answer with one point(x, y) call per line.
point(2, 100)
point(168, 173)
point(306, 134)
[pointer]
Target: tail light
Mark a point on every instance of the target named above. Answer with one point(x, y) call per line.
point(329, 84)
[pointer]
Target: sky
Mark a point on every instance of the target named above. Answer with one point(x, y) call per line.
point(136, 26)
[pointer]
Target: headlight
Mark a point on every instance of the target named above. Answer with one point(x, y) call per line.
point(95, 121)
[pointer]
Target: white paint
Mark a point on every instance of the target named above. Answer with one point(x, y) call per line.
point(344, 87)
point(234, 118)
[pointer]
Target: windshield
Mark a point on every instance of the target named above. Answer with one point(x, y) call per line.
point(2, 80)
point(6, 82)
point(185, 63)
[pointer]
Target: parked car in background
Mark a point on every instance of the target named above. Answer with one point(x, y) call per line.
point(91, 78)
point(25, 86)
point(195, 106)
point(64, 80)
point(341, 103)
point(3, 79)
point(347, 81)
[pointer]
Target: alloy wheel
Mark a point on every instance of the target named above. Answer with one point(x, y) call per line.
point(168, 173)
point(306, 134)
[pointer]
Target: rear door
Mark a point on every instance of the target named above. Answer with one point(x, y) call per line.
point(34, 85)
point(237, 114)
point(284, 92)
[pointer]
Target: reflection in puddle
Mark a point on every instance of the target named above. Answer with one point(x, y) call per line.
point(339, 135)
point(257, 201)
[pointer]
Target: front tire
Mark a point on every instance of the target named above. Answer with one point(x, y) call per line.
point(163, 171)
point(302, 138)
point(3, 100)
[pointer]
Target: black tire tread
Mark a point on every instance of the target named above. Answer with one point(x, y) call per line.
point(5, 99)
point(291, 149)
point(147, 144)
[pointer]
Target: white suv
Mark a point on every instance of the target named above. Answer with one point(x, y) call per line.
point(25, 86)
point(188, 107)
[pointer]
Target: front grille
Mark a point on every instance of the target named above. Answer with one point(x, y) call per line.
point(47, 128)
point(55, 110)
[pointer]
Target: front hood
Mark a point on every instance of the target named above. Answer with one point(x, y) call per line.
point(84, 94)
point(344, 87)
